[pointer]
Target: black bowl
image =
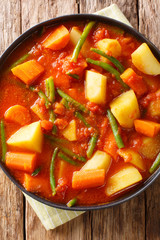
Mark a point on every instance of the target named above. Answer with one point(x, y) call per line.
point(60, 20)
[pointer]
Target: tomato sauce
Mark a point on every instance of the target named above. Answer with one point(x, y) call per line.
point(57, 63)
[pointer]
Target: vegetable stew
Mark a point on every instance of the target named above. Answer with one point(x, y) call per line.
point(80, 113)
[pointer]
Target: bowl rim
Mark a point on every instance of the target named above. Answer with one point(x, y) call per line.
point(53, 22)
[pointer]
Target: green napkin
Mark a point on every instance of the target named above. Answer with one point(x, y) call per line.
point(53, 217)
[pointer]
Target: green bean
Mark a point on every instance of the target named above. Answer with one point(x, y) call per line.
point(110, 58)
point(81, 41)
point(72, 202)
point(50, 91)
point(114, 127)
point(52, 115)
point(58, 141)
point(115, 30)
point(78, 115)
point(3, 141)
point(52, 178)
point(155, 164)
point(52, 118)
point(42, 96)
point(41, 31)
point(55, 139)
point(54, 130)
point(92, 144)
point(67, 159)
point(72, 154)
point(20, 60)
point(108, 68)
point(72, 75)
point(72, 101)
point(35, 173)
point(65, 103)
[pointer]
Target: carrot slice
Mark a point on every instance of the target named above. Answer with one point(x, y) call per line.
point(146, 127)
point(88, 178)
point(36, 184)
point(28, 72)
point(18, 114)
point(110, 146)
point(21, 161)
point(58, 39)
point(134, 81)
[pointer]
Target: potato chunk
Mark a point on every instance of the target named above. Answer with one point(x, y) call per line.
point(96, 87)
point(125, 109)
point(29, 137)
point(39, 110)
point(150, 147)
point(123, 179)
point(70, 131)
point(100, 160)
point(111, 46)
point(75, 35)
point(133, 157)
point(154, 108)
point(145, 61)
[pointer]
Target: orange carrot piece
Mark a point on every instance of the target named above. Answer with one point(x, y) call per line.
point(58, 39)
point(46, 125)
point(28, 72)
point(110, 146)
point(21, 161)
point(36, 184)
point(146, 127)
point(62, 168)
point(88, 178)
point(18, 114)
point(134, 81)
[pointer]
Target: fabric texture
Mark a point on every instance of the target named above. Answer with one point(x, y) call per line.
point(53, 217)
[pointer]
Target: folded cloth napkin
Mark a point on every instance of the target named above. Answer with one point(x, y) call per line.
point(53, 217)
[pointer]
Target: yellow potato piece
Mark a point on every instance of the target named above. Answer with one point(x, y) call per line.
point(154, 108)
point(123, 179)
point(75, 35)
point(110, 45)
point(125, 109)
point(134, 157)
point(96, 87)
point(100, 160)
point(150, 147)
point(37, 110)
point(70, 131)
point(145, 61)
point(29, 137)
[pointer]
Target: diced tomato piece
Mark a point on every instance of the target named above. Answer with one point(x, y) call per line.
point(99, 34)
point(72, 67)
point(95, 108)
point(46, 125)
point(62, 186)
point(134, 81)
point(59, 108)
point(61, 123)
